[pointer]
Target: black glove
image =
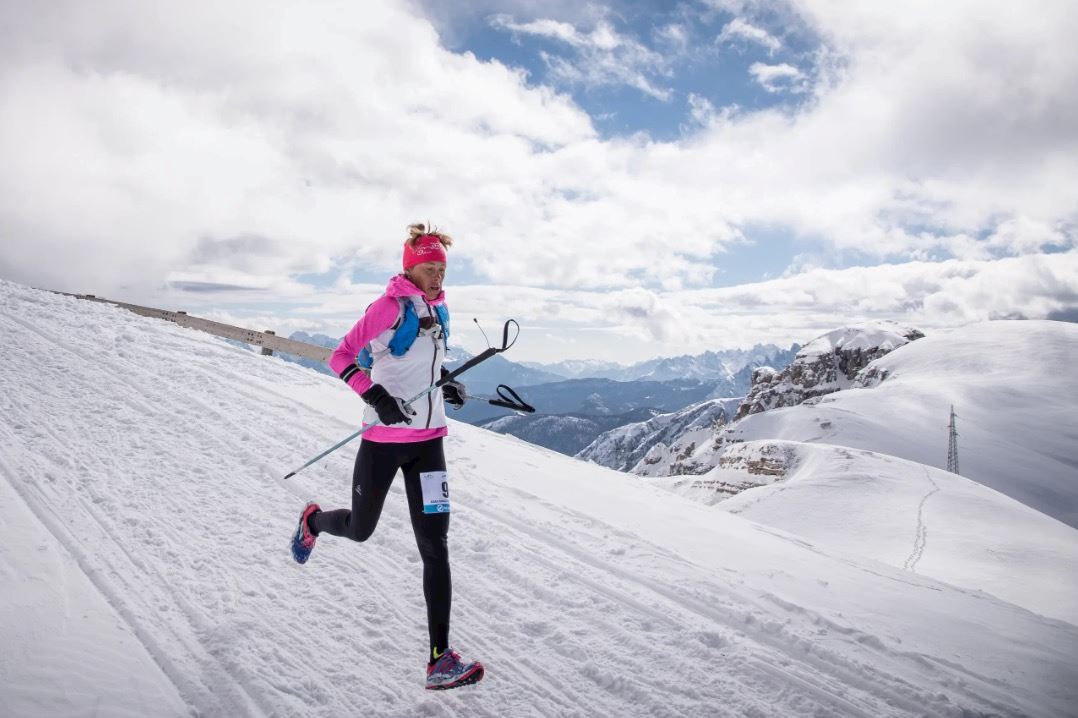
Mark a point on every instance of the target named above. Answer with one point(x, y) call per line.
point(391, 410)
point(453, 391)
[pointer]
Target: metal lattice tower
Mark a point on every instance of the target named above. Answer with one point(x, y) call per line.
point(952, 445)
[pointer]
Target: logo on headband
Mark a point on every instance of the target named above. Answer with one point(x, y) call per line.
point(425, 249)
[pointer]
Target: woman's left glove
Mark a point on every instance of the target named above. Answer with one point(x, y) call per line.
point(453, 391)
point(390, 409)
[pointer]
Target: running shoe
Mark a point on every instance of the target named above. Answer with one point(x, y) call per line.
point(451, 671)
point(303, 540)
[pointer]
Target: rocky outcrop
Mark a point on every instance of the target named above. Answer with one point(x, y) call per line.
point(740, 467)
point(827, 364)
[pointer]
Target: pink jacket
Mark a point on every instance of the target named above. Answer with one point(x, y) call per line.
point(403, 376)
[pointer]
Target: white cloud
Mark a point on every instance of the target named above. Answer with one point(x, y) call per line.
point(602, 55)
point(740, 29)
point(563, 31)
point(701, 110)
point(930, 295)
point(199, 143)
point(674, 35)
point(131, 135)
point(634, 324)
point(783, 77)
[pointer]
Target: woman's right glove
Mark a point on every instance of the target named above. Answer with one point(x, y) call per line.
point(391, 410)
point(453, 391)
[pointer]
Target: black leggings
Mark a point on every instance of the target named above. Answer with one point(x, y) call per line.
point(376, 467)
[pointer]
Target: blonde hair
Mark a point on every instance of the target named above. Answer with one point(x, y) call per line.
point(415, 231)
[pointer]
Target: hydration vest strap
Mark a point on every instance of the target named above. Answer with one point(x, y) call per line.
point(443, 318)
point(407, 329)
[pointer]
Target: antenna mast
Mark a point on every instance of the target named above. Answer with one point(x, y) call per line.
point(952, 445)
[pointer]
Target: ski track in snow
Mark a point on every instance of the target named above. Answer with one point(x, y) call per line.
point(921, 537)
point(756, 644)
point(186, 533)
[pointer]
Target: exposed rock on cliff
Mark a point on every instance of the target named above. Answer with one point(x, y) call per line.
point(826, 364)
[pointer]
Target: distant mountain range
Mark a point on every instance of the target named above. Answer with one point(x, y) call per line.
point(572, 414)
point(580, 368)
point(578, 400)
point(484, 378)
point(565, 433)
point(708, 366)
point(594, 397)
point(321, 340)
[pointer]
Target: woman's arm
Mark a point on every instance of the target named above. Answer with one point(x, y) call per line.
point(378, 317)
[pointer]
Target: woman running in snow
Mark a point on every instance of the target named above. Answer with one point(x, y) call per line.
point(407, 359)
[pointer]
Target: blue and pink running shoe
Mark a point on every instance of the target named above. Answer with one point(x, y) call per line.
point(303, 540)
point(451, 671)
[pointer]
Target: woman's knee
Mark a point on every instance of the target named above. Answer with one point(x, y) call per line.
point(433, 548)
point(361, 531)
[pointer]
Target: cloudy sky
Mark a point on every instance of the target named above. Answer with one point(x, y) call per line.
point(628, 179)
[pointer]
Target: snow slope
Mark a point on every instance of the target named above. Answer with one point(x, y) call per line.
point(911, 516)
point(53, 618)
point(153, 456)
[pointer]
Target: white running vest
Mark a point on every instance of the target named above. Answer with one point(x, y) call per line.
point(407, 375)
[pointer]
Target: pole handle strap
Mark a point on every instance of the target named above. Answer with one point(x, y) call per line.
point(483, 355)
point(512, 401)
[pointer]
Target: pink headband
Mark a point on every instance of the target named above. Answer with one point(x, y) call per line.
point(428, 248)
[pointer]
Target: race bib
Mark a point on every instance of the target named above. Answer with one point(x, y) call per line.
point(435, 492)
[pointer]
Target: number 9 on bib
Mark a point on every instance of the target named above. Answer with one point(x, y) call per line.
point(435, 492)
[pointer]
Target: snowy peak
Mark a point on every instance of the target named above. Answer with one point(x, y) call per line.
point(827, 364)
point(717, 366)
point(876, 336)
point(720, 366)
point(578, 368)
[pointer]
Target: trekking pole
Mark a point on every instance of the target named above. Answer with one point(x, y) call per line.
point(474, 361)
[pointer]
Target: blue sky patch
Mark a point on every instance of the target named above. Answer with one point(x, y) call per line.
point(636, 71)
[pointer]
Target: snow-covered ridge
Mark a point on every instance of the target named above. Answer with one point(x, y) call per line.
point(662, 439)
point(152, 456)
